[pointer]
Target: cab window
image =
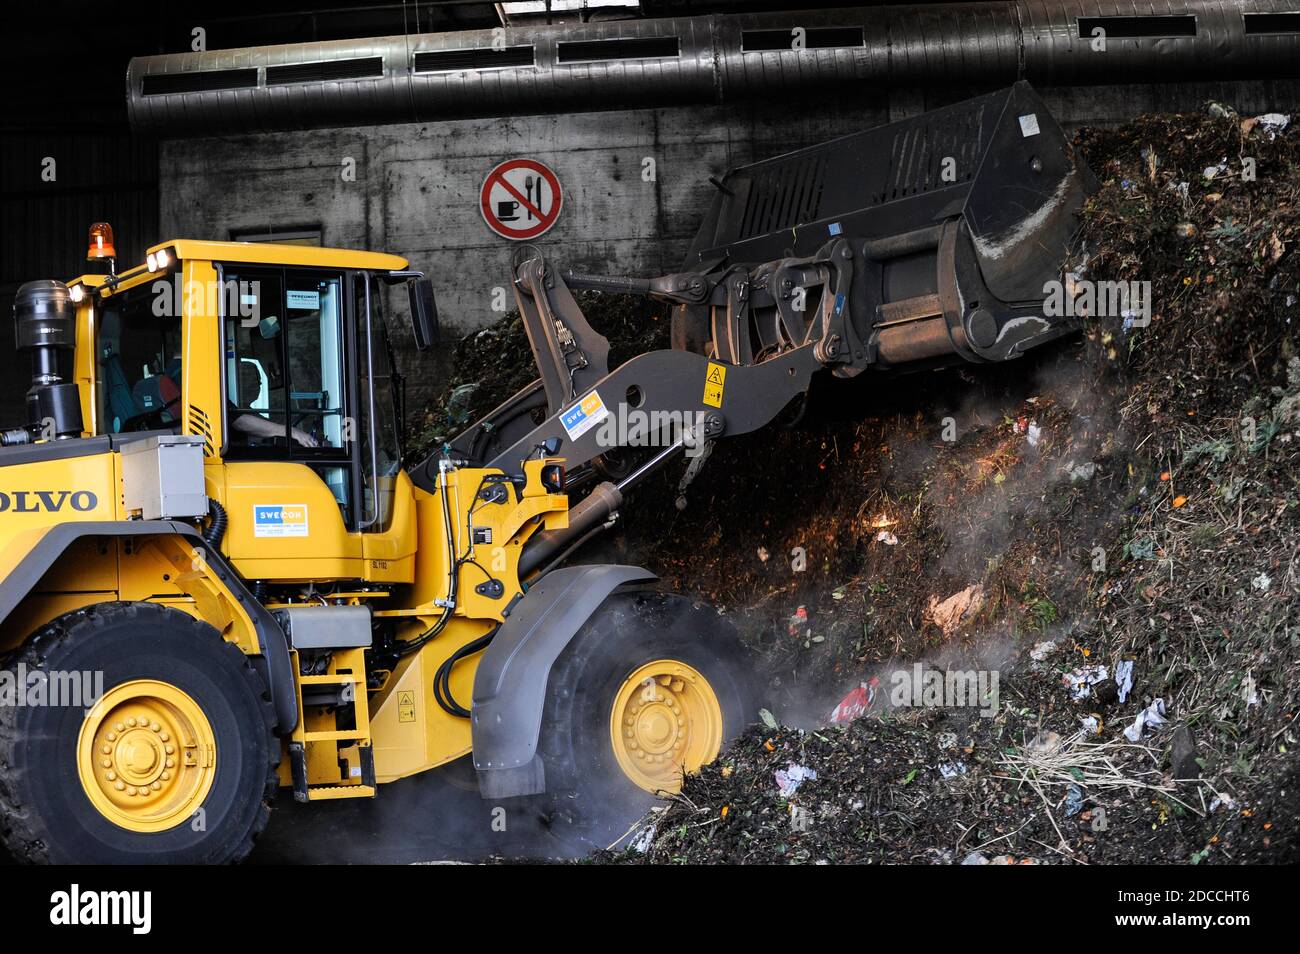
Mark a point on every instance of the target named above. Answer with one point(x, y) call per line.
point(138, 360)
point(284, 362)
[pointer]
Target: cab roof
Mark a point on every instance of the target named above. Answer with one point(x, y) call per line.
point(264, 253)
point(270, 253)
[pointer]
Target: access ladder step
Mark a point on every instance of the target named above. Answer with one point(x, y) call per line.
point(303, 792)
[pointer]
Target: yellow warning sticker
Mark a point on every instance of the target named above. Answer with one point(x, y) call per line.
point(714, 381)
point(406, 705)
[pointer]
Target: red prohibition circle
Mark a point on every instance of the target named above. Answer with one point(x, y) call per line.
point(543, 217)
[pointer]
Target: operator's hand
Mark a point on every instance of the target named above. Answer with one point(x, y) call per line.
point(302, 437)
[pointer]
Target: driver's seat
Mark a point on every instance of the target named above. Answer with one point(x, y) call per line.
point(121, 401)
point(160, 393)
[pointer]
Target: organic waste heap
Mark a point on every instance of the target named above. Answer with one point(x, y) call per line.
point(1109, 526)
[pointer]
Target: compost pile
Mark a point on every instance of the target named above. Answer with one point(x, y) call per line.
point(1108, 526)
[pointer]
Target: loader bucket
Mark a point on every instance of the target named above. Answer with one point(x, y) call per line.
point(960, 215)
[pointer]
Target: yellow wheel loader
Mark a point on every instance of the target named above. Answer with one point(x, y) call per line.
point(219, 578)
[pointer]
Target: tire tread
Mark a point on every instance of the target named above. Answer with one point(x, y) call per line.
point(23, 830)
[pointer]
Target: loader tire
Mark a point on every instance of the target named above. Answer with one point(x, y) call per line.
point(616, 662)
point(184, 723)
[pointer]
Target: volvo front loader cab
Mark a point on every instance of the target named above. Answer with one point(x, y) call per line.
point(206, 532)
point(217, 579)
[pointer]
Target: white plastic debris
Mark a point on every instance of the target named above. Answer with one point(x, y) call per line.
point(1043, 650)
point(1216, 170)
point(1081, 472)
point(1223, 801)
point(1273, 123)
point(1124, 678)
point(1249, 694)
point(1152, 717)
point(952, 769)
point(1033, 434)
point(887, 538)
point(975, 858)
point(763, 555)
point(1081, 681)
point(789, 779)
point(1091, 725)
point(1261, 583)
point(644, 838)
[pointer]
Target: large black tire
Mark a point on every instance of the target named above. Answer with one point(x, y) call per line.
point(45, 814)
point(590, 801)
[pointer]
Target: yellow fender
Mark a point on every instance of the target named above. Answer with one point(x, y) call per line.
point(31, 555)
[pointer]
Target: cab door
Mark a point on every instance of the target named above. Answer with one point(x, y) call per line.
point(385, 494)
point(310, 435)
point(289, 398)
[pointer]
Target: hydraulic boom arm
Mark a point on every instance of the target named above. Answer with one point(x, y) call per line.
point(911, 245)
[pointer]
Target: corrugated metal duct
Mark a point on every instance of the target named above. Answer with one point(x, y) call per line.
point(713, 59)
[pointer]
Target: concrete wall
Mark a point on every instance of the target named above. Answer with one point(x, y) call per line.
point(416, 188)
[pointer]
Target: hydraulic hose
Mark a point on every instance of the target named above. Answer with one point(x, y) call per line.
point(453, 569)
point(216, 530)
point(442, 678)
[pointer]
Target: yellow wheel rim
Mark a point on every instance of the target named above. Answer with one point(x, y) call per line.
point(666, 718)
point(146, 756)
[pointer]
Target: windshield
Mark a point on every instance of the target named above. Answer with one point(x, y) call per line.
point(138, 363)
